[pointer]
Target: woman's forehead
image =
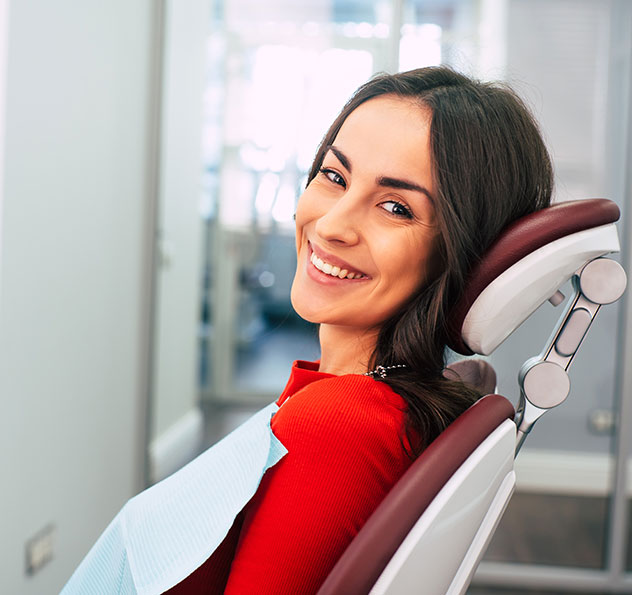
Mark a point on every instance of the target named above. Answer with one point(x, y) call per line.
point(410, 108)
point(385, 117)
point(388, 134)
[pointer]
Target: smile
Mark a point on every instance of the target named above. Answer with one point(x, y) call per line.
point(334, 270)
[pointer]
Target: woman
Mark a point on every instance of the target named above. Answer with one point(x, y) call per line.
point(415, 178)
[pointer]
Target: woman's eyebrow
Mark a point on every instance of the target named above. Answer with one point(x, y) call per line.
point(389, 182)
point(341, 157)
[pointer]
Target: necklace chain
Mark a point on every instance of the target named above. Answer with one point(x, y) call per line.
point(381, 371)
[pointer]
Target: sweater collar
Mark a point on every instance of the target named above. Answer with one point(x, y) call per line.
point(302, 374)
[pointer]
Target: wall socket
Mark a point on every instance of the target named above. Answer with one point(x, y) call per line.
point(39, 549)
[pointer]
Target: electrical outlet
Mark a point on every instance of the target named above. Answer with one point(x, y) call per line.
point(39, 549)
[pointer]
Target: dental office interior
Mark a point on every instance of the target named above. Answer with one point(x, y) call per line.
point(151, 156)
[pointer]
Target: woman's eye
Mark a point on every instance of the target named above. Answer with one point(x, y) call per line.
point(333, 176)
point(397, 209)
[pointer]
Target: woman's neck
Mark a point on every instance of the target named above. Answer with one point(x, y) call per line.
point(344, 350)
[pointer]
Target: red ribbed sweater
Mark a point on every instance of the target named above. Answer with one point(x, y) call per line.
point(344, 436)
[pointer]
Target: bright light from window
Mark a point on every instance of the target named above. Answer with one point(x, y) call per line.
point(364, 30)
point(283, 209)
point(382, 30)
point(419, 46)
point(293, 97)
point(266, 193)
point(334, 76)
point(275, 96)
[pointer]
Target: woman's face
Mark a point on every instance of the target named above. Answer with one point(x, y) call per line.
point(365, 225)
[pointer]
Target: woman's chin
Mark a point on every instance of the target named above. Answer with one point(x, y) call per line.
point(306, 313)
point(307, 308)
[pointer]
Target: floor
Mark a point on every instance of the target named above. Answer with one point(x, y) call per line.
point(553, 529)
point(550, 530)
point(503, 591)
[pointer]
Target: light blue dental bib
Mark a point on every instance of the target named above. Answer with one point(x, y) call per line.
point(162, 535)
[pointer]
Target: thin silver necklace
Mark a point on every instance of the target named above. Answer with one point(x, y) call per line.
point(381, 371)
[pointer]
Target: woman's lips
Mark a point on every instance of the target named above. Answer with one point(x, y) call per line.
point(332, 267)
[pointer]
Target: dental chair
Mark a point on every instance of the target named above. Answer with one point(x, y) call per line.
point(430, 532)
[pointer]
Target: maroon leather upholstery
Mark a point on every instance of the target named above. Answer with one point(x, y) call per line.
point(367, 555)
point(520, 239)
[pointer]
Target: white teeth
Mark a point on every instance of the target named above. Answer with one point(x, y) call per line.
point(334, 271)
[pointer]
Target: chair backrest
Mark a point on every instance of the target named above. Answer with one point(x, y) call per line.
point(376, 543)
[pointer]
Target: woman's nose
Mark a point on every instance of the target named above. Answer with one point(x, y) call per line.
point(340, 223)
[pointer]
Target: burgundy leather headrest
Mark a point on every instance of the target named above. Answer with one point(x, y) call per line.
point(519, 239)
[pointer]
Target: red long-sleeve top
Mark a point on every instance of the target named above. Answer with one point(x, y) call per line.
point(345, 442)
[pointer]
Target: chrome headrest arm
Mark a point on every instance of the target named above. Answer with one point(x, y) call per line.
point(543, 379)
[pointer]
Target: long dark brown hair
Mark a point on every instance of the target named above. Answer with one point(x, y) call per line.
point(490, 167)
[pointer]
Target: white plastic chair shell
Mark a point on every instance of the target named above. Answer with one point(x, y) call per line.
point(447, 542)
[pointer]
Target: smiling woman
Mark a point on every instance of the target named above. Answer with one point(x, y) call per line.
point(412, 182)
point(369, 213)
point(454, 161)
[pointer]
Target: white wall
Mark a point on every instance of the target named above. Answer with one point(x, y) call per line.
point(177, 426)
point(74, 294)
point(4, 25)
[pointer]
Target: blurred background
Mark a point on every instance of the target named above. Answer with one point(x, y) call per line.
point(151, 156)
